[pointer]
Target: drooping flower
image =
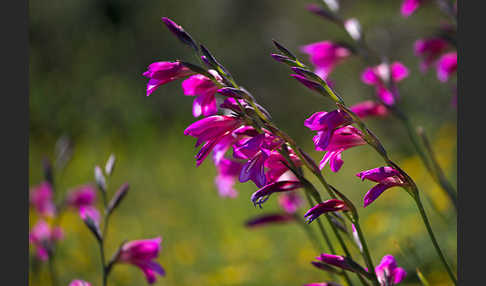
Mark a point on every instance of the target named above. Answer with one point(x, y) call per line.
point(161, 73)
point(335, 260)
point(269, 219)
point(429, 50)
point(342, 139)
point(446, 66)
point(228, 172)
point(387, 271)
point(331, 205)
point(82, 196)
point(142, 253)
point(386, 177)
point(78, 282)
point(205, 89)
point(41, 199)
point(379, 77)
point(210, 131)
point(90, 212)
point(290, 202)
point(325, 56)
point(369, 108)
point(43, 237)
point(325, 123)
point(409, 7)
point(262, 195)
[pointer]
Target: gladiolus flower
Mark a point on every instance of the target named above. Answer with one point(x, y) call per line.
point(205, 89)
point(142, 253)
point(42, 236)
point(41, 199)
point(269, 219)
point(78, 282)
point(342, 139)
point(210, 131)
point(90, 212)
point(82, 196)
point(228, 172)
point(386, 177)
point(353, 27)
point(254, 169)
point(161, 73)
point(325, 56)
point(380, 75)
point(446, 66)
point(369, 108)
point(331, 205)
point(335, 260)
point(325, 123)
point(388, 273)
point(262, 195)
point(429, 50)
point(409, 7)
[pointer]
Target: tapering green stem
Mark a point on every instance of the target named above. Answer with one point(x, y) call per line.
point(366, 253)
point(52, 270)
point(434, 240)
point(433, 166)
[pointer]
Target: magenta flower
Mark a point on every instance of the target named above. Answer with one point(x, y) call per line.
point(379, 77)
point(254, 170)
point(142, 253)
point(290, 202)
point(388, 273)
point(228, 172)
point(325, 56)
point(269, 219)
point(429, 50)
point(82, 196)
point(256, 150)
point(205, 89)
point(325, 123)
point(331, 205)
point(335, 260)
point(369, 108)
point(91, 212)
point(386, 177)
point(42, 236)
point(342, 139)
point(446, 66)
point(409, 6)
point(78, 282)
point(161, 73)
point(41, 199)
point(210, 131)
point(262, 195)
point(275, 167)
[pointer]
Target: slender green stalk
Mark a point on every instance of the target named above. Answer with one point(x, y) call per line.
point(366, 253)
point(433, 166)
point(52, 270)
point(434, 240)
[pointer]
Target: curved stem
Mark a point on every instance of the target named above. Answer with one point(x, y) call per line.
point(434, 240)
point(433, 166)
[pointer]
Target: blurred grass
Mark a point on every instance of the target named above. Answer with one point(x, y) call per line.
point(86, 62)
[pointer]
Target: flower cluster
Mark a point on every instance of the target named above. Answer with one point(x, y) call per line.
point(46, 233)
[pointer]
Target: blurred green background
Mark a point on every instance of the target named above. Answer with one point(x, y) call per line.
point(86, 61)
